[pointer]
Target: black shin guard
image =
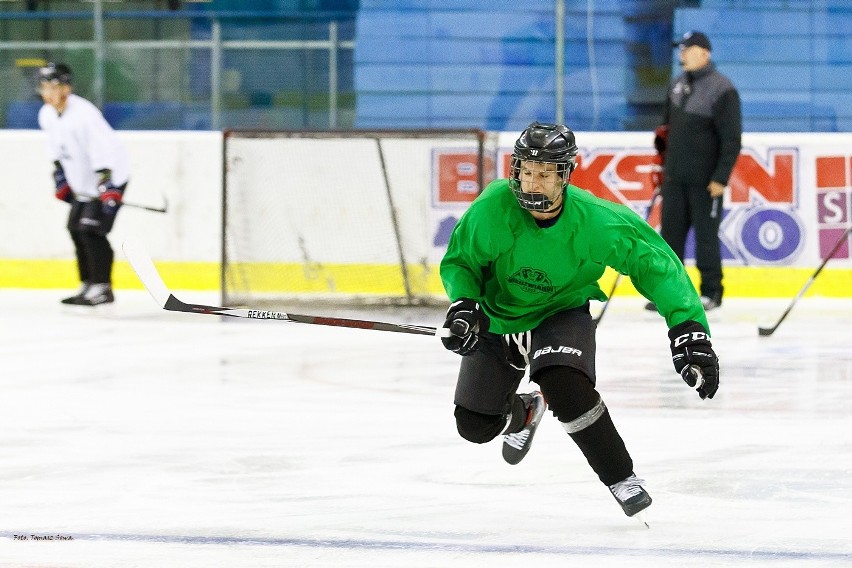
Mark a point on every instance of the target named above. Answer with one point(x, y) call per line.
point(604, 449)
point(477, 427)
point(575, 402)
point(100, 257)
point(480, 428)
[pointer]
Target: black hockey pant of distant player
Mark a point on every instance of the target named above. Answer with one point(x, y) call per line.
point(561, 355)
point(89, 226)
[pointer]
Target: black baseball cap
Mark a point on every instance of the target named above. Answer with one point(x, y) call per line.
point(693, 38)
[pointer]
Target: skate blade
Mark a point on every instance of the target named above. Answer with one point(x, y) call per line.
point(642, 517)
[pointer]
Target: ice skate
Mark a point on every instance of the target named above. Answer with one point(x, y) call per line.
point(75, 299)
point(97, 294)
point(632, 497)
point(516, 445)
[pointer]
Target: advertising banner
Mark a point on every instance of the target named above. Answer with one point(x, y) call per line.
point(786, 204)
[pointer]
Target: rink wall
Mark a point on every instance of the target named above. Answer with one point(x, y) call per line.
point(183, 168)
point(789, 200)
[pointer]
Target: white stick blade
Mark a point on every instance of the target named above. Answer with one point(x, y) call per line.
point(144, 267)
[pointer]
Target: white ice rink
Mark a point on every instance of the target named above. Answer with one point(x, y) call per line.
point(156, 439)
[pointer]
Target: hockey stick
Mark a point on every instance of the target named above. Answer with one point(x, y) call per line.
point(148, 207)
point(654, 197)
point(153, 282)
point(767, 331)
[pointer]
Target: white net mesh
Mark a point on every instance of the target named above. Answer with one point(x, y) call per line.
point(337, 218)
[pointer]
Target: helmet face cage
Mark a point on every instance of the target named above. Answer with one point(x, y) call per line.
point(535, 201)
point(545, 144)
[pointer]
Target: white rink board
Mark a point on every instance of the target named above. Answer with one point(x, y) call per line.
point(185, 168)
point(780, 226)
point(333, 195)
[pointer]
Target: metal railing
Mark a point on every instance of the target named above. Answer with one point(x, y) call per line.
point(99, 44)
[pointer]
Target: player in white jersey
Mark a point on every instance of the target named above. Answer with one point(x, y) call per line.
point(92, 169)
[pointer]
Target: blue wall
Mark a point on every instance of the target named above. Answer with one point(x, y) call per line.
point(466, 63)
point(791, 60)
point(442, 63)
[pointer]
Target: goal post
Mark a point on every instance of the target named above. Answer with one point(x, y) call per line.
point(337, 217)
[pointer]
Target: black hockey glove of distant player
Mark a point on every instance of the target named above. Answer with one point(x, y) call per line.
point(465, 320)
point(694, 359)
point(63, 190)
point(110, 195)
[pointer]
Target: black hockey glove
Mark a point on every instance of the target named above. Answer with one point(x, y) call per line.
point(110, 195)
point(694, 359)
point(465, 320)
point(63, 190)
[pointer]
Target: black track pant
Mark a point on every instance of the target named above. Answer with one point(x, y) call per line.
point(686, 206)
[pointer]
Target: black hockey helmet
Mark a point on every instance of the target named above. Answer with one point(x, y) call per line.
point(55, 73)
point(546, 143)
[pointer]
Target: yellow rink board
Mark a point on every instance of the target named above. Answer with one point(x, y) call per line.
point(386, 280)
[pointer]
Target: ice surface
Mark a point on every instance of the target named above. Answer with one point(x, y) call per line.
point(183, 440)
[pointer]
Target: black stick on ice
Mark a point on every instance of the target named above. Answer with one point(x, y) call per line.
point(153, 282)
point(767, 331)
point(148, 207)
point(162, 209)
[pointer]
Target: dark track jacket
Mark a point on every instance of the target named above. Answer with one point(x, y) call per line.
point(705, 127)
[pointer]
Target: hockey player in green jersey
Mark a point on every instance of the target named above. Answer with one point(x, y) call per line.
point(521, 266)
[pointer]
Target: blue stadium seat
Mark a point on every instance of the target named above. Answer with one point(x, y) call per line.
point(791, 63)
point(784, 116)
point(22, 114)
point(417, 50)
point(164, 115)
point(496, 5)
point(465, 78)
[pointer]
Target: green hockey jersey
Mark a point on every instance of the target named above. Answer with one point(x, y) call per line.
point(522, 273)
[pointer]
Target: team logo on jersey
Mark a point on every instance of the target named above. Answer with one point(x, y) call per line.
point(532, 280)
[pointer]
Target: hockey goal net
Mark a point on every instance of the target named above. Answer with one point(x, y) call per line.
point(338, 217)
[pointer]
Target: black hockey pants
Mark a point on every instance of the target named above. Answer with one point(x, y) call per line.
point(89, 226)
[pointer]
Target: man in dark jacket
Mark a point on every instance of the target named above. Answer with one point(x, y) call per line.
point(700, 139)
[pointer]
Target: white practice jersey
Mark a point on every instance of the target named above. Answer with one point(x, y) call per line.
point(83, 142)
